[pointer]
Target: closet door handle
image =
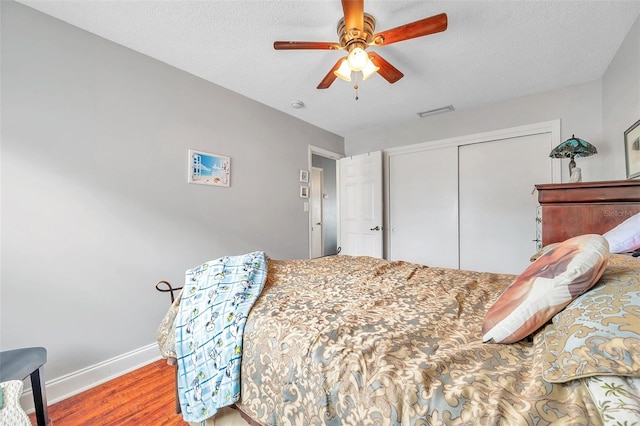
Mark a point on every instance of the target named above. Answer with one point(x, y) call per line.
point(377, 228)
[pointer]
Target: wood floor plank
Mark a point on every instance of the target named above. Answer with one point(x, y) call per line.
point(142, 397)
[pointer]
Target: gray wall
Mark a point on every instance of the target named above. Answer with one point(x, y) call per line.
point(578, 107)
point(598, 111)
point(95, 202)
point(621, 98)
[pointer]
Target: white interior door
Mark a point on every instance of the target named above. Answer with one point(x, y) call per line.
point(361, 204)
point(497, 212)
point(423, 207)
point(315, 199)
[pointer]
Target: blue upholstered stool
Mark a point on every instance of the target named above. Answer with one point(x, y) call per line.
point(17, 364)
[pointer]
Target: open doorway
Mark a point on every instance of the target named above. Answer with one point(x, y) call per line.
point(323, 203)
point(316, 205)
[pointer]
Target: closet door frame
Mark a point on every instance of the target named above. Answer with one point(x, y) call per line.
point(552, 127)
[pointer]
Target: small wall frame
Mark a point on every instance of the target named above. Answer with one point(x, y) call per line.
point(304, 176)
point(208, 169)
point(304, 191)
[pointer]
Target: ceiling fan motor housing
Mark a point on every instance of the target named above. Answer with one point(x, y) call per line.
point(355, 37)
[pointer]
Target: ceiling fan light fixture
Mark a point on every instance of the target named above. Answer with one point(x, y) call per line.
point(369, 69)
point(344, 71)
point(357, 59)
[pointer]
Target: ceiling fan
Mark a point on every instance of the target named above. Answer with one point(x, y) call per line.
point(356, 31)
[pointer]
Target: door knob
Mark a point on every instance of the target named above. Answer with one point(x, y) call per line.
point(377, 228)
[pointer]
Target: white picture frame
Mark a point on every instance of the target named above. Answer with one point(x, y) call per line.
point(206, 168)
point(304, 191)
point(304, 176)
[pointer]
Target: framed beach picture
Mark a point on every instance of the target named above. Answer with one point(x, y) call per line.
point(209, 169)
point(632, 150)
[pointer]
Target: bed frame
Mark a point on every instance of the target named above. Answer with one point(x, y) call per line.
point(571, 209)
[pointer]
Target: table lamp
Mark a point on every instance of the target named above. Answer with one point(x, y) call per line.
point(573, 148)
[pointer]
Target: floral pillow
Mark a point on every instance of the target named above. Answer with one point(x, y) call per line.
point(547, 285)
point(599, 332)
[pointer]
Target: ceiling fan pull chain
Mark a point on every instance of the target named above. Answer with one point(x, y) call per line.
point(355, 86)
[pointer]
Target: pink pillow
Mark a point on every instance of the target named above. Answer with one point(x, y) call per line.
point(545, 288)
point(626, 236)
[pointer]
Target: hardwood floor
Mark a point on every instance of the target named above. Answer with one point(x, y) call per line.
point(143, 397)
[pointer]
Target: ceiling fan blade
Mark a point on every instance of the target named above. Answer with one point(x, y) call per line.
point(353, 14)
point(330, 77)
point(423, 27)
point(387, 71)
point(297, 45)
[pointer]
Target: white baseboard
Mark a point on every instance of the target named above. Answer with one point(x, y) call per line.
point(87, 378)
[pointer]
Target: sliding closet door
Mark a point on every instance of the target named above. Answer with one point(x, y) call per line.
point(497, 206)
point(423, 207)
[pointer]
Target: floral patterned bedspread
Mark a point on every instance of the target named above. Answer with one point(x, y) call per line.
point(363, 341)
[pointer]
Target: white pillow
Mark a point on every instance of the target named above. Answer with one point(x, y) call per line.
point(626, 236)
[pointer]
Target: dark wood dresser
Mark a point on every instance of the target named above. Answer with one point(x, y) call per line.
point(570, 209)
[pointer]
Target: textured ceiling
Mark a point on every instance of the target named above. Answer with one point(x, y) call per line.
point(491, 51)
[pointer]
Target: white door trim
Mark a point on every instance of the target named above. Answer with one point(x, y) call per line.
point(323, 153)
point(552, 127)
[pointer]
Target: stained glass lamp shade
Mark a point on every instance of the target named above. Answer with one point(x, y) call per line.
point(573, 148)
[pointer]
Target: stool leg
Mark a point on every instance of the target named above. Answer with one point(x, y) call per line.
point(40, 397)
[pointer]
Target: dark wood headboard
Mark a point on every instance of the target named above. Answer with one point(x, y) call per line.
point(570, 209)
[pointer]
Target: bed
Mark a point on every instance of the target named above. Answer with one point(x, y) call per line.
point(357, 340)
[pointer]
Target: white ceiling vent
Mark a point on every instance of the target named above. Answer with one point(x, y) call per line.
point(441, 110)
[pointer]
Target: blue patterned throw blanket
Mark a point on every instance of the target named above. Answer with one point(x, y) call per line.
point(216, 299)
